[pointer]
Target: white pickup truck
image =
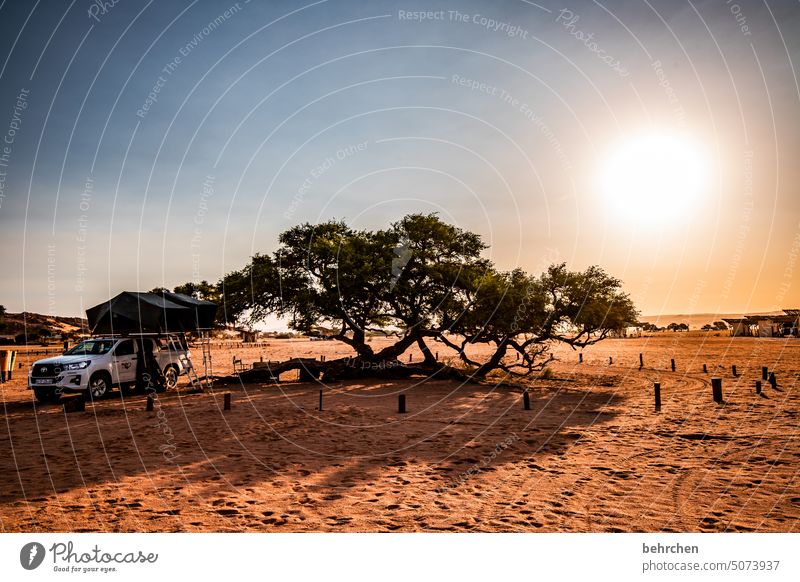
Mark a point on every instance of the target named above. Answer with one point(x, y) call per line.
point(98, 364)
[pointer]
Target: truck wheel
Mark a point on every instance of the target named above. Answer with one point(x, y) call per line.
point(170, 377)
point(45, 395)
point(99, 385)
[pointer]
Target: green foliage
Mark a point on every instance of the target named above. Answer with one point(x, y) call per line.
point(650, 327)
point(422, 279)
point(678, 327)
point(202, 290)
point(523, 314)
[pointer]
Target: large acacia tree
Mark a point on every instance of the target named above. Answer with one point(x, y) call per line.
point(358, 282)
point(419, 280)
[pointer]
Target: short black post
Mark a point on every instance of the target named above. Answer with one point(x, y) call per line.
point(672, 363)
point(437, 356)
point(150, 403)
point(716, 389)
point(409, 358)
point(733, 369)
point(75, 403)
point(401, 404)
point(320, 399)
point(526, 400)
point(226, 401)
point(580, 358)
point(764, 372)
point(641, 361)
point(705, 369)
point(657, 395)
point(66, 345)
point(772, 380)
point(610, 360)
point(758, 386)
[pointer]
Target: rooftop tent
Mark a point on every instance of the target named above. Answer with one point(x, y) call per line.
point(132, 312)
point(204, 312)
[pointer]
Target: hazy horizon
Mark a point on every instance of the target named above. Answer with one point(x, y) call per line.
point(149, 145)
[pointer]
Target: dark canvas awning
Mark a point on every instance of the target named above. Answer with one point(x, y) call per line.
point(204, 312)
point(133, 312)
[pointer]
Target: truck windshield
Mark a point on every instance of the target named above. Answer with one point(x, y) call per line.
point(91, 347)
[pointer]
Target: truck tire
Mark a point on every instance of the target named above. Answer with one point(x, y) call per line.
point(99, 385)
point(170, 377)
point(45, 395)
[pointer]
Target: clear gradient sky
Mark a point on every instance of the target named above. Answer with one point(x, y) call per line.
point(148, 144)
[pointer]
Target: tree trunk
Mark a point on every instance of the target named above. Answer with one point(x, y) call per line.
point(430, 359)
point(494, 361)
point(396, 350)
point(360, 345)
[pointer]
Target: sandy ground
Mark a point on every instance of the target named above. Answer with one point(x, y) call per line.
point(590, 455)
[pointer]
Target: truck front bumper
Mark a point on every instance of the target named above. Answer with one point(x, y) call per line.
point(65, 382)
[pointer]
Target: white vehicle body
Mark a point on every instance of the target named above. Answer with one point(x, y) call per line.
point(97, 364)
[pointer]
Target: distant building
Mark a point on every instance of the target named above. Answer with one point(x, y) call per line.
point(633, 331)
point(625, 332)
point(766, 325)
point(740, 326)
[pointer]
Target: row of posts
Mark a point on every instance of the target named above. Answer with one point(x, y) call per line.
point(716, 389)
point(716, 383)
point(77, 403)
point(765, 375)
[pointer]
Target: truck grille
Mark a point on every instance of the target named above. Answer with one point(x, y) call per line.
point(45, 370)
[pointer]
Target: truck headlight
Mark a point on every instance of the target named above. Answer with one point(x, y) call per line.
point(76, 366)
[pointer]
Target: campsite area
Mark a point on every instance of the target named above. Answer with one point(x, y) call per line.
point(591, 454)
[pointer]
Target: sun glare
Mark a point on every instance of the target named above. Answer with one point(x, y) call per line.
point(655, 177)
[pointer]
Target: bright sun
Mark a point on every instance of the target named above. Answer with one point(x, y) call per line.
point(655, 176)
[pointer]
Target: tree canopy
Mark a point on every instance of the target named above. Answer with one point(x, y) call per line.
point(421, 280)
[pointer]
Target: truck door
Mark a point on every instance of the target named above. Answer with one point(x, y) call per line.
point(124, 363)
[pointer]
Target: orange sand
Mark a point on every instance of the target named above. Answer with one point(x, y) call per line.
point(591, 455)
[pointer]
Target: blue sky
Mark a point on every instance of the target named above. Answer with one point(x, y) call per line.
point(202, 134)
